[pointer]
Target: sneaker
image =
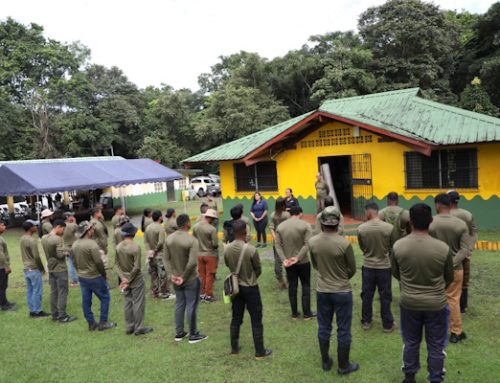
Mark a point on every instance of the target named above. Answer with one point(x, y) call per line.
point(236, 352)
point(310, 316)
point(143, 331)
point(181, 336)
point(202, 297)
point(67, 319)
point(197, 338)
point(130, 331)
point(93, 326)
point(366, 325)
point(9, 307)
point(41, 314)
point(266, 353)
point(295, 316)
point(168, 297)
point(209, 298)
point(103, 326)
point(454, 338)
point(390, 329)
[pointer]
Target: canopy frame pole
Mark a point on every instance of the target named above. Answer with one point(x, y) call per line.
point(122, 199)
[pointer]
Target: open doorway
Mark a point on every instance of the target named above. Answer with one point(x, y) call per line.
point(340, 168)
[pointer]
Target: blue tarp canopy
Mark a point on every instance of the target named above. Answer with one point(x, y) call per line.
point(40, 177)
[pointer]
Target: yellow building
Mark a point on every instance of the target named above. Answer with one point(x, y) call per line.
point(375, 144)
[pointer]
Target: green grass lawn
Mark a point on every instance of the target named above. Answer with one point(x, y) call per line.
point(37, 350)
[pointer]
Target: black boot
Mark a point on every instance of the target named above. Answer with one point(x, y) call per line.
point(345, 366)
point(327, 362)
point(409, 378)
point(235, 337)
point(464, 300)
point(258, 340)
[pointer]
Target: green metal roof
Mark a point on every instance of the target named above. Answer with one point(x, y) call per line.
point(401, 112)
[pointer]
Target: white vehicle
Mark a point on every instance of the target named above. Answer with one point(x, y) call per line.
point(203, 185)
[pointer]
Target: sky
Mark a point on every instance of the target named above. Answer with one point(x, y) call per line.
point(173, 41)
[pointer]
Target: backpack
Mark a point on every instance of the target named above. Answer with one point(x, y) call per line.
point(228, 227)
point(231, 283)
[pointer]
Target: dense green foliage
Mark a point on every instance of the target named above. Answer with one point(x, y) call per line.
point(55, 103)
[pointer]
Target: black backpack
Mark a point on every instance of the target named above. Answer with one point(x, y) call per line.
point(229, 229)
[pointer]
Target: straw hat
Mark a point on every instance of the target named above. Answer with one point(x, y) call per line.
point(211, 213)
point(47, 213)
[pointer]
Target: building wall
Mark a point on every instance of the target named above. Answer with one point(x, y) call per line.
point(297, 169)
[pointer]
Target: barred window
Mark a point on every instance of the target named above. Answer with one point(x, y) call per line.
point(159, 187)
point(444, 169)
point(261, 177)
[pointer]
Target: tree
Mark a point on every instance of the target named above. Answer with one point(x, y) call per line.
point(475, 98)
point(160, 146)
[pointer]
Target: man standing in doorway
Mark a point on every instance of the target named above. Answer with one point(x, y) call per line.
point(397, 216)
point(180, 256)
point(208, 257)
point(291, 245)
point(467, 217)
point(454, 233)
point(424, 267)
point(322, 191)
point(375, 239)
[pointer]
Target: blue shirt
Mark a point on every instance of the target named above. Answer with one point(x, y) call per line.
point(259, 208)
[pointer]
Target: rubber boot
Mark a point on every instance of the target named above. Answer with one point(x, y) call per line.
point(345, 366)
point(235, 337)
point(258, 340)
point(464, 300)
point(409, 378)
point(324, 348)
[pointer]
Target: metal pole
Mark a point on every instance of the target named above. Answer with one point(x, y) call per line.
point(122, 198)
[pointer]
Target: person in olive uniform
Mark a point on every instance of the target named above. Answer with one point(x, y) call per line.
point(146, 219)
point(249, 294)
point(128, 267)
point(322, 191)
point(92, 277)
point(397, 216)
point(115, 220)
point(317, 227)
point(5, 270)
point(170, 224)
point(375, 238)
point(117, 232)
point(69, 237)
point(53, 247)
point(452, 231)
point(291, 244)
point(33, 269)
point(100, 234)
point(180, 257)
point(332, 255)
point(424, 267)
point(467, 217)
point(208, 257)
point(278, 215)
point(46, 221)
point(212, 204)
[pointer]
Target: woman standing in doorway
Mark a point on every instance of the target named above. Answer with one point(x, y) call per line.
point(259, 215)
point(290, 199)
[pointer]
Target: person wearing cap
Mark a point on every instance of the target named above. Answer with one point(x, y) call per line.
point(128, 267)
point(208, 257)
point(115, 220)
point(277, 216)
point(92, 277)
point(33, 269)
point(56, 255)
point(170, 224)
point(467, 217)
point(395, 215)
point(117, 232)
point(154, 240)
point(100, 233)
point(328, 201)
point(291, 244)
point(424, 267)
point(69, 237)
point(5, 270)
point(375, 238)
point(249, 293)
point(180, 256)
point(333, 257)
point(46, 221)
point(322, 191)
point(452, 231)
point(245, 219)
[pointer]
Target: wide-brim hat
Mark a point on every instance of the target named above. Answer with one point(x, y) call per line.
point(123, 220)
point(330, 216)
point(47, 213)
point(84, 227)
point(211, 213)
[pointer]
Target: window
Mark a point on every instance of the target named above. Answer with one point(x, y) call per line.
point(261, 176)
point(444, 169)
point(159, 187)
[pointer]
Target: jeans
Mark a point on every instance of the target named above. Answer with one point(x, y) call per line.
point(293, 274)
point(249, 297)
point(58, 282)
point(339, 304)
point(260, 227)
point(207, 268)
point(187, 296)
point(99, 287)
point(4, 283)
point(377, 279)
point(278, 265)
point(72, 270)
point(34, 290)
point(435, 324)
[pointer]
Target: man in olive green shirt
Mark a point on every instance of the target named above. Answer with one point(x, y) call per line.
point(170, 224)
point(5, 270)
point(236, 214)
point(291, 244)
point(375, 238)
point(212, 204)
point(92, 276)
point(100, 233)
point(55, 253)
point(33, 269)
point(454, 233)
point(397, 216)
point(154, 240)
point(180, 257)
point(333, 257)
point(69, 237)
point(328, 201)
point(128, 267)
point(249, 294)
point(46, 217)
point(424, 267)
point(117, 232)
point(467, 217)
point(115, 220)
point(208, 257)
point(322, 191)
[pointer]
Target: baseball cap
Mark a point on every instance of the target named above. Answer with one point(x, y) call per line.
point(330, 216)
point(454, 196)
point(59, 222)
point(128, 230)
point(28, 224)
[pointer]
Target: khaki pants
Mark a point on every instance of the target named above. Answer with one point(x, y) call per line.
point(135, 304)
point(453, 293)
